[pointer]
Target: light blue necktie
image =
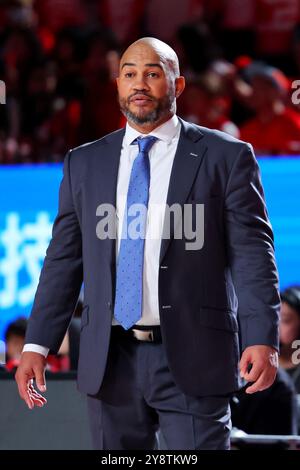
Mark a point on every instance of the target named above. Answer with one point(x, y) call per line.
point(129, 282)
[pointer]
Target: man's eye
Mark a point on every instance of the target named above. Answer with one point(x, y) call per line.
point(128, 74)
point(152, 74)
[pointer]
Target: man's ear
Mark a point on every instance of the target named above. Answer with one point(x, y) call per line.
point(179, 86)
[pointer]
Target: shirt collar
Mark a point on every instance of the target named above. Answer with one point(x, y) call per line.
point(165, 132)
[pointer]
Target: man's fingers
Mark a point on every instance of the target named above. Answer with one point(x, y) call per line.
point(243, 366)
point(24, 394)
point(23, 390)
point(254, 373)
point(264, 381)
point(260, 384)
point(28, 400)
point(245, 362)
point(40, 379)
point(31, 396)
point(36, 397)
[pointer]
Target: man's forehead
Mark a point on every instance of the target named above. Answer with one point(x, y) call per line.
point(141, 54)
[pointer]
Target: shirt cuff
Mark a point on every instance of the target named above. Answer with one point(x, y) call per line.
point(36, 348)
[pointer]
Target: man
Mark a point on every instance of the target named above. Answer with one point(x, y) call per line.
point(159, 342)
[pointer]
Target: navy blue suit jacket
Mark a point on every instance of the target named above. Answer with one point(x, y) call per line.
point(213, 302)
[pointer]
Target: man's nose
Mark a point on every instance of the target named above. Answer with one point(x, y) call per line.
point(140, 84)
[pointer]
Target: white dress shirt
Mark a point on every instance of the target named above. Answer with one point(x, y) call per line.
point(161, 156)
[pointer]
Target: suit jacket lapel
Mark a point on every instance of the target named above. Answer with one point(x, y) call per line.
point(102, 181)
point(109, 162)
point(187, 160)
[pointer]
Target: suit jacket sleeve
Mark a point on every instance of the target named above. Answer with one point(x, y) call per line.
point(61, 276)
point(250, 245)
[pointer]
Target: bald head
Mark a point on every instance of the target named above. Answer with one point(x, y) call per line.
point(164, 53)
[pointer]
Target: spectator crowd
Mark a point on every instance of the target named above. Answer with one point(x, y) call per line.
point(59, 60)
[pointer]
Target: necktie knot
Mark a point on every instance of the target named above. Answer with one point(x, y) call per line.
point(145, 143)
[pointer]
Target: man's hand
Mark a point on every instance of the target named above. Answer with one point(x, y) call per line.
point(32, 366)
point(264, 362)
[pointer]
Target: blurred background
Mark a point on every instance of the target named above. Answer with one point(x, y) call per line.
point(59, 60)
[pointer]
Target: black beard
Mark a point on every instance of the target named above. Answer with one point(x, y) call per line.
point(163, 107)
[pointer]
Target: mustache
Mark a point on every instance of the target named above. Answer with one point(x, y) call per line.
point(140, 93)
